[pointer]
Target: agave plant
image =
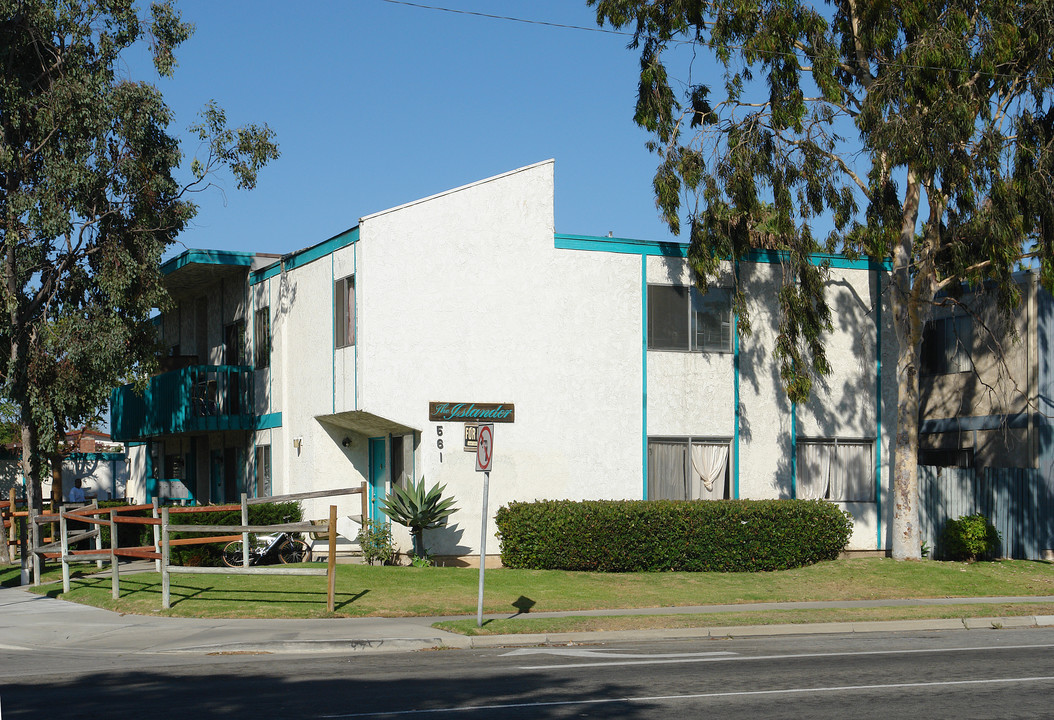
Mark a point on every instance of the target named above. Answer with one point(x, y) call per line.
point(418, 510)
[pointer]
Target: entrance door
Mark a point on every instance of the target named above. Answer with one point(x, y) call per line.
point(216, 476)
point(377, 477)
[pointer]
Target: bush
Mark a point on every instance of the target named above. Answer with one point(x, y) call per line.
point(971, 537)
point(375, 541)
point(647, 535)
point(211, 554)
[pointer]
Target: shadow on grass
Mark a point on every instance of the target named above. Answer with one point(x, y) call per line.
point(182, 593)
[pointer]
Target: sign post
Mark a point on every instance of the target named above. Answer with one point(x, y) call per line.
point(484, 460)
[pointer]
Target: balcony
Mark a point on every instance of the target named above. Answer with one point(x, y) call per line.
point(193, 399)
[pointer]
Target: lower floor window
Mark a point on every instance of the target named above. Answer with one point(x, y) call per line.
point(838, 470)
point(263, 471)
point(688, 468)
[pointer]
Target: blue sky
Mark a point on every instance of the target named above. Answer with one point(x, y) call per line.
point(376, 104)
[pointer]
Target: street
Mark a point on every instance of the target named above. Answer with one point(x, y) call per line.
point(962, 674)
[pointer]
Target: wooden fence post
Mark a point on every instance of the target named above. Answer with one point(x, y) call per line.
point(365, 499)
point(115, 564)
point(156, 532)
point(65, 545)
point(332, 560)
point(245, 535)
point(14, 531)
point(166, 594)
point(34, 541)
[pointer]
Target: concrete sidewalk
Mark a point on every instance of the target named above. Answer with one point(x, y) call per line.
point(33, 622)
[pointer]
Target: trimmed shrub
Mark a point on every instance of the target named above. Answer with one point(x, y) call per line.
point(971, 537)
point(655, 535)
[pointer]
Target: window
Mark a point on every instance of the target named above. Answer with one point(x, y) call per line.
point(946, 346)
point(688, 469)
point(263, 471)
point(234, 343)
point(681, 318)
point(262, 337)
point(344, 311)
point(838, 470)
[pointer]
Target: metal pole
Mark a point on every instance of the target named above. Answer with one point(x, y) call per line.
point(482, 548)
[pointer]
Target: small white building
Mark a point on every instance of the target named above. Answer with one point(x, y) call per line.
point(346, 362)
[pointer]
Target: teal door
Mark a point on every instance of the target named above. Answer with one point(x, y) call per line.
point(377, 476)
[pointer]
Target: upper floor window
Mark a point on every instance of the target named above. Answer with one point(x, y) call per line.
point(946, 345)
point(682, 318)
point(344, 311)
point(262, 337)
point(234, 343)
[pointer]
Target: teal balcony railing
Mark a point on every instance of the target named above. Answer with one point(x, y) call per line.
point(198, 398)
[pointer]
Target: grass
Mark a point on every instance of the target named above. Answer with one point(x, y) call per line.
point(402, 591)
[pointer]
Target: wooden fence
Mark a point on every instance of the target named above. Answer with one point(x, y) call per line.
point(162, 529)
point(1018, 501)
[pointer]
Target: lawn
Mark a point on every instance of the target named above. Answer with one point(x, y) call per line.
point(403, 591)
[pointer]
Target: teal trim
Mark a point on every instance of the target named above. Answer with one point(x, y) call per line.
point(666, 248)
point(735, 385)
point(333, 329)
point(96, 456)
point(151, 477)
point(794, 449)
point(878, 411)
point(358, 336)
point(267, 422)
point(307, 255)
point(207, 257)
point(644, 367)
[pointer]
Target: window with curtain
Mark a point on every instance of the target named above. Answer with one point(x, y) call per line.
point(688, 468)
point(263, 472)
point(682, 318)
point(344, 311)
point(837, 470)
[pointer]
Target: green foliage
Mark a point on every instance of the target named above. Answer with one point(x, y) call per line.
point(971, 537)
point(375, 540)
point(920, 132)
point(89, 203)
point(418, 509)
point(640, 535)
point(211, 554)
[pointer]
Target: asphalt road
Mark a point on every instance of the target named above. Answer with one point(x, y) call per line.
point(975, 674)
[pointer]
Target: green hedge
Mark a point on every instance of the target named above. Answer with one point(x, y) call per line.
point(211, 554)
point(702, 535)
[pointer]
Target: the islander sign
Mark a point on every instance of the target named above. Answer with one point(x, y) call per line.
point(468, 412)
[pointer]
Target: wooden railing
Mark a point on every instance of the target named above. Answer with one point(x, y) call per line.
point(163, 527)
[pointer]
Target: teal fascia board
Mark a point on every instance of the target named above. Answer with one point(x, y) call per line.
point(207, 257)
point(303, 257)
point(665, 248)
point(268, 422)
point(96, 456)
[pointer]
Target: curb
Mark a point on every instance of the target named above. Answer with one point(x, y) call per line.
point(717, 632)
point(349, 646)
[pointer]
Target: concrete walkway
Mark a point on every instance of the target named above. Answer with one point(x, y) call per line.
point(33, 622)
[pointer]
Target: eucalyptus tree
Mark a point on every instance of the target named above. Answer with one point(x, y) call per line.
point(89, 202)
point(915, 130)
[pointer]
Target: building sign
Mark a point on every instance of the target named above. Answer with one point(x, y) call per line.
point(471, 412)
